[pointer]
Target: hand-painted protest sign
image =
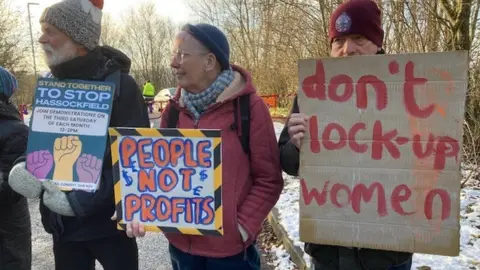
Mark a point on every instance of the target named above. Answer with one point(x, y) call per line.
point(68, 132)
point(380, 161)
point(170, 180)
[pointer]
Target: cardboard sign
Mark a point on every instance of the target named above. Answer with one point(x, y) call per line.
point(380, 162)
point(170, 180)
point(68, 132)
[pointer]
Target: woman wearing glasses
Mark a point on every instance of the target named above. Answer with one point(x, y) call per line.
point(209, 88)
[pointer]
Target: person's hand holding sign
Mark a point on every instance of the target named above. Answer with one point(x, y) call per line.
point(134, 229)
point(66, 152)
point(297, 126)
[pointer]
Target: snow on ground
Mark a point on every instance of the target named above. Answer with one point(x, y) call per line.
point(282, 259)
point(469, 257)
point(26, 119)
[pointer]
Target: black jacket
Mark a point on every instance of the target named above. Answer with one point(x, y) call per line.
point(335, 257)
point(13, 144)
point(94, 210)
point(15, 228)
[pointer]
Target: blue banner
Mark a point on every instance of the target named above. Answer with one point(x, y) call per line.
point(68, 132)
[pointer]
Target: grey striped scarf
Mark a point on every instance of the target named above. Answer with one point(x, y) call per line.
point(198, 103)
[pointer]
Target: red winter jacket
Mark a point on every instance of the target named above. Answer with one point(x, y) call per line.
point(250, 187)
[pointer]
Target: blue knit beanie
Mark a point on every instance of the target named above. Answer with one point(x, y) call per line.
point(212, 38)
point(8, 83)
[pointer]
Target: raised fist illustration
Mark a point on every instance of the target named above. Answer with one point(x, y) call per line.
point(88, 168)
point(66, 151)
point(40, 163)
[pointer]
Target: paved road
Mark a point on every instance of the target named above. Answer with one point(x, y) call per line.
point(153, 250)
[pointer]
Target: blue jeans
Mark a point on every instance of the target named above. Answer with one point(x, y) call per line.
point(248, 260)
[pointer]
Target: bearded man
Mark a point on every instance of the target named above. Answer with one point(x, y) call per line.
point(80, 222)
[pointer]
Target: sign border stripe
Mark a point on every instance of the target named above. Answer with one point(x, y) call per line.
point(215, 135)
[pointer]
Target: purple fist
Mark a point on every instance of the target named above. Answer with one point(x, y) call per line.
point(40, 163)
point(88, 168)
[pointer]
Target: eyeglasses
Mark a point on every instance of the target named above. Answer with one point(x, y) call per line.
point(181, 55)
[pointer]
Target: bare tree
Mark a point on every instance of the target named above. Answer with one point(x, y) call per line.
point(147, 38)
point(111, 32)
point(14, 50)
point(267, 37)
point(12, 45)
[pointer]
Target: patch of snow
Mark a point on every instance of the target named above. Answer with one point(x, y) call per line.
point(469, 257)
point(288, 205)
point(289, 211)
point(26, 119)
point(278, 128)
point(282, 259)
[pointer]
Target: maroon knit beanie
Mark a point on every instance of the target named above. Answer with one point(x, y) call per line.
point(357, 17)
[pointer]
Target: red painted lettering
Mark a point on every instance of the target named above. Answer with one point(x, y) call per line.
point(445, 147)
point(446, 203)
point(335, 82)
point(308, 196)
point(314, 86)
point(397, 198)
point(380, 89)
point(411, 105)
point(326, 137)
point(393, 67)
point(361, 191)
point(313, 128)
point(400, 194)
point(439, 147)
point(334, 194)
point(359, 148)
point(381, 139)
point(417, 146)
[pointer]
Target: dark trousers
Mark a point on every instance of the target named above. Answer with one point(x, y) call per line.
point(15, 236)
point(248, 260)
point(113, 253)
point(403, 266)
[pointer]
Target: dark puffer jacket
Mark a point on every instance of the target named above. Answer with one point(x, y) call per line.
point(15, 230)
point(93, 211)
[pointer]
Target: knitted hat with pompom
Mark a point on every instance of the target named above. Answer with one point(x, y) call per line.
point(78, 19)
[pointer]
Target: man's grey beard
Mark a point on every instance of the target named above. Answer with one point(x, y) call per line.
point(65, 53)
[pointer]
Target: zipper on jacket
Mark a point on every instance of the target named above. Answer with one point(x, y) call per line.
point(189, 114)
point(189, 244)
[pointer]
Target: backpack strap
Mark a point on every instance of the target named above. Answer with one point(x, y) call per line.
point(244, 103)
point(173, 115)
point(115, 78)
